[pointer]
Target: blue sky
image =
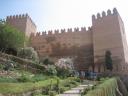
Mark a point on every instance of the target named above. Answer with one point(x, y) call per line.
point(57, 14)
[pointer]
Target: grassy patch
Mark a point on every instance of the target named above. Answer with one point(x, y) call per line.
point(106, 88)
point(7, 79)
point(13, 88)
point(24, 87)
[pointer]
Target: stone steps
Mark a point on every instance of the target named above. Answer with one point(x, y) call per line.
point(75, 91)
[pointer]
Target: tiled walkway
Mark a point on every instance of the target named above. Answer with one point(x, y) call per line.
point(75, 91)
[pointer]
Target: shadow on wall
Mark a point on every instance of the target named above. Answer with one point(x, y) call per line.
point(83, 54)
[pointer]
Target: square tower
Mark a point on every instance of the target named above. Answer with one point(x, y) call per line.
point(23, 23)
point(109, 35)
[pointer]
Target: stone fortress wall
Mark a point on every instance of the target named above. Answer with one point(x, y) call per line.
point(65, 43)
point(76, 37)
point(87, 46)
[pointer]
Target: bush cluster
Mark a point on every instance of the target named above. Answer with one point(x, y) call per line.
point(7, 79)
point(28, 53)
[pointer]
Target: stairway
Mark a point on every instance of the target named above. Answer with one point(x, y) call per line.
point(76, 91)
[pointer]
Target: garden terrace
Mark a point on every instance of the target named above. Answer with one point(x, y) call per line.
point(29, 88)
point(22, 63)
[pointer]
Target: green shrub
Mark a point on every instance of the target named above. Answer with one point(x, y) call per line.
point(40, 95)
point(51, 70)
point(1, 66)
point(77, 80)
point(52, 93)
point(34, 94)
point(24, 78)
point(67, 85)
point(28, 53)
point(74, 82)
point(7, 79)
point(45, 90)
point(62, 89)
point(85, 91)
point(57, 85)
point(63, 72)
point(107, 88)
point(98, 78)
point(39, 77)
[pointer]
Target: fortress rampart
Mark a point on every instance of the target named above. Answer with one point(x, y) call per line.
point(86, 45)
point(65, 43)
point(62, 31)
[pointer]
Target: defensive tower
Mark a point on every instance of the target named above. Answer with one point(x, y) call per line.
point(109, 34)
point(23, 23)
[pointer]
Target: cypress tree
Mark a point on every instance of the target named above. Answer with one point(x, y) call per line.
point(108, 60)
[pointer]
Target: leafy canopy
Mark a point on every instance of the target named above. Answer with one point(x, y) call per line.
point(10, 37)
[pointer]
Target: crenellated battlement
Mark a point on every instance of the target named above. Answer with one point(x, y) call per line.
point(19, 17)
point(62, 31)
point(104, 14)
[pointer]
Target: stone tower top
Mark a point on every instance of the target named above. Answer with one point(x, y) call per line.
point(109, 12)
point(20, 16)
point(22, 22)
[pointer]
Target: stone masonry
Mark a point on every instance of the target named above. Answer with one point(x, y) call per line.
point(86, 46)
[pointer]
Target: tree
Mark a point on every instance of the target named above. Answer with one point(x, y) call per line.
point(108, 60)
point(10, 38)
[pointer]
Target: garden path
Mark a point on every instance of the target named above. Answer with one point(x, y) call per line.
point(75, 91)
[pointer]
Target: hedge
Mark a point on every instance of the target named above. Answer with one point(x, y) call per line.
point(107, 88)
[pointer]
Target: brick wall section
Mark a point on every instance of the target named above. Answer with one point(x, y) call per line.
point(72, 43)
